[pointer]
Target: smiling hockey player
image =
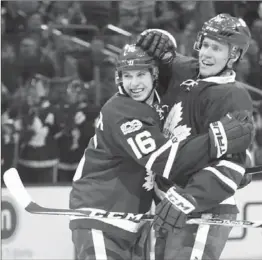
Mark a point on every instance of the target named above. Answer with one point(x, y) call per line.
point(200, 92)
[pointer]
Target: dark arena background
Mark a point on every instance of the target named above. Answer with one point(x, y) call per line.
point(58, 70)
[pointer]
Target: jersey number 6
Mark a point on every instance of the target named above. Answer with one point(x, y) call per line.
point(142, 143)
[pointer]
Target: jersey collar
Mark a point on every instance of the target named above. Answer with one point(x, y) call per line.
point(223, 79)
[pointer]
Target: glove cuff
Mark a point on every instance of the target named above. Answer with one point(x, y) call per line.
point(218, 140)
point(179, 201)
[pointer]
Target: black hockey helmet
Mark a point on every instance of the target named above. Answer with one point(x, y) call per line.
point(228, 29)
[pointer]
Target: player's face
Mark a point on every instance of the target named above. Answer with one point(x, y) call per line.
point(213, 57)
point(138, 83)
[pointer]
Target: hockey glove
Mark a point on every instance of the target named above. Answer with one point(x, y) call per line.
point(158, 43)
point(232, 134)
point(171, 212)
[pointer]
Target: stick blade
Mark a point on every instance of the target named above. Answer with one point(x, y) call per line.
point(16, 188)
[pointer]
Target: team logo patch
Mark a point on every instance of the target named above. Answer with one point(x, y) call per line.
point(131, 126)
point(189, 84)
point(173, 129)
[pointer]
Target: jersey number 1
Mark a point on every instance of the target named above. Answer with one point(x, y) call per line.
point(142, 143)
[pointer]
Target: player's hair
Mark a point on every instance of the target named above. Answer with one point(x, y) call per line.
point(228, 29)
point(133, 57)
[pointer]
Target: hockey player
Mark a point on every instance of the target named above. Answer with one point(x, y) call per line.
point(116, 171)
point(199, 92)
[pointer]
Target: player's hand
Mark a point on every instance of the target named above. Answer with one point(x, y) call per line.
point(171, 212)
point(232, 134)
point(158, 43)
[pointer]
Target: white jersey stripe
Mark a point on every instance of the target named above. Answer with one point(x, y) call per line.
point(170, 160)
point(99, 244)
point(158, 152)
point(79, 169)
point(222, 177)
point(232, 166)
point(200, 240)
point(229, 201)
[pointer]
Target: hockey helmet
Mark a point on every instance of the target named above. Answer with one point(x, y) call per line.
point(228, 29)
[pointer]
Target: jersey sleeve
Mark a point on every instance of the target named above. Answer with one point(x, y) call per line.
point(215, 183)
point(220, 180)
point(143, 141)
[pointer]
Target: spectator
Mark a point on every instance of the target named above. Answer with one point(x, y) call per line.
point(57, 12)
point(15, 21)
point(76, 128)
point(135, 16)
point(75, 14)
point(34, 22)
point(9, 66)
point(167, 16)
point(97, 12)
point(38, 152)
point(32, 60)
point(108, 86)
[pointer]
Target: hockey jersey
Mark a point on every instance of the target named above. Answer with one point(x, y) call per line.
point(193, 104)
point(38, 148)
point(116, 171)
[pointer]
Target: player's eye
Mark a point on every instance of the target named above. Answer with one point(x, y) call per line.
point(142, 73)
point(216, 48)
point(205, 45)
point(126, 76)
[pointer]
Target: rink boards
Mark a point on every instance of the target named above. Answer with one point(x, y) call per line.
point(26, 236)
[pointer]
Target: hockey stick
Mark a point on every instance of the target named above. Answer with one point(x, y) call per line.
point(254, 170)
point(17, 189)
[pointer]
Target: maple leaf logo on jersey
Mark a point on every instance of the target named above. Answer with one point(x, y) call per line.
point(149, 180)
point(172, 129)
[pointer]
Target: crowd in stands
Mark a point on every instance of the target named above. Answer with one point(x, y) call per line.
point(58, 61)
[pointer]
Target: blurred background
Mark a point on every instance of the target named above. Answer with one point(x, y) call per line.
point(58, 70)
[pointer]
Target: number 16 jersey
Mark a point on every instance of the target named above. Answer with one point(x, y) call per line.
point(117, 170)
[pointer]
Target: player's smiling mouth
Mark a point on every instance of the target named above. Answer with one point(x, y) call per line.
point(137, 90)
point(207, 63)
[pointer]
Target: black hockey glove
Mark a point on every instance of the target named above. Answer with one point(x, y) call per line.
point(158, 43)
point(171, 212)
point(232, 134)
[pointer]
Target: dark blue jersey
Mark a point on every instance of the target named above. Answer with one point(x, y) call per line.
point(193, 104)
